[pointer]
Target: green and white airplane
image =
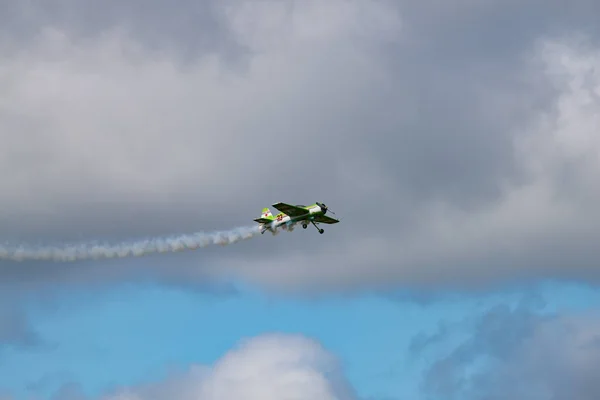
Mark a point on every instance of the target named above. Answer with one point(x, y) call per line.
point(290, 215)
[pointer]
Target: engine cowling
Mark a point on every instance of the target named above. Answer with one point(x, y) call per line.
point(323, 207)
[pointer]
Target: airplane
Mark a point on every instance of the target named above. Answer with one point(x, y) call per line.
point(290, 215)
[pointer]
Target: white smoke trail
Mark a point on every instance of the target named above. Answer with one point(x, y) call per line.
point(74, 252)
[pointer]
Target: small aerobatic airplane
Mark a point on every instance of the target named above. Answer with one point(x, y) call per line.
point(291, 215)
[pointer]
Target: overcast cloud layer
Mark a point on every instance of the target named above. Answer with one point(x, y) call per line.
point(475, 165)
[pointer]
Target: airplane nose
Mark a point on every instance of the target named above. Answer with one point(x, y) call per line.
point(323, 207)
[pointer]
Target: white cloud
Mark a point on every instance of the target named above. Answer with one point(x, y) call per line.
point(273, 366)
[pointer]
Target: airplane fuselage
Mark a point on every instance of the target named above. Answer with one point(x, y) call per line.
point(289, 215)
point(286, 222)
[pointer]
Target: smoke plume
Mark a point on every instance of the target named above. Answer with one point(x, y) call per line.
point(94, 250)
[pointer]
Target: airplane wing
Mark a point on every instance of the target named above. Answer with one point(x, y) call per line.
point(323, 219)
point(290, 210)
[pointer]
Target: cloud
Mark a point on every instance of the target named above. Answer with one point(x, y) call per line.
point(272, 366)
point(438, 164)
point(90, 132)
point(116, 139)
point(107, 119)
point(69, 391)
point(540, 225)
point(15, 328)
point(515, 352)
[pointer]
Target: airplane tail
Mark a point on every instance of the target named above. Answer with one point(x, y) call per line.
point(265, 217)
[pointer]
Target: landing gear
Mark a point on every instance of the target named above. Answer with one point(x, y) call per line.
point(304, 226)
point(319, 229)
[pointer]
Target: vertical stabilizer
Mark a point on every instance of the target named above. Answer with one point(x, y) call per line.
point(266, 217)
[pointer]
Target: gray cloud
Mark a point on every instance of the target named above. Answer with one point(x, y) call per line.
point(69, 391)
point(193, 28)
point(514, 352)
point(15, 329)
point(538, 224)
point(443, 149)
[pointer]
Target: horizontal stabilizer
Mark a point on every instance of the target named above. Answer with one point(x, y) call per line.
point(263, 220)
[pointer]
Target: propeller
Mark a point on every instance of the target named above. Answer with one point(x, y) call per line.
point(324, 208)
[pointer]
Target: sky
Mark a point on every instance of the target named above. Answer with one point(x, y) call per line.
point(457, 141)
